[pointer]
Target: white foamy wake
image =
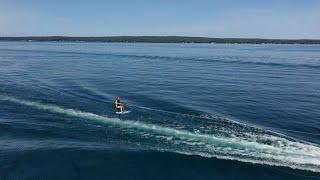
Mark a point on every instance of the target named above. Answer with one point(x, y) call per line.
point(261, 148)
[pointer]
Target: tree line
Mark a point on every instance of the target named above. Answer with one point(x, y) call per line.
point(163, 39)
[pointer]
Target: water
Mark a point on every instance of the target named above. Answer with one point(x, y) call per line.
point(199, 111)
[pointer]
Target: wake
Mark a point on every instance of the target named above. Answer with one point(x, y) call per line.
point(261, 148)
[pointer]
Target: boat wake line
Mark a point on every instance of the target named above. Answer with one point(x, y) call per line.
point(216, 117)
point(262, 148)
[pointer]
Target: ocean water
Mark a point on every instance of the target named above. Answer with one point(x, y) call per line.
point(199, 111)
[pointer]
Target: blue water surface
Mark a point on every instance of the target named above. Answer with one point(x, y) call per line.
point(199, 111)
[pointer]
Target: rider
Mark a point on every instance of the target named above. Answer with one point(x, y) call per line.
point(119, 106)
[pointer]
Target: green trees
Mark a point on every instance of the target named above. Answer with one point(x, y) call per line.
point(162, 39)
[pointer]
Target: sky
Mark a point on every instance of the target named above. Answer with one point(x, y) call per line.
point(286, 19)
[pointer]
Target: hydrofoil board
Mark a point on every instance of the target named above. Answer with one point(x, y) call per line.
point(123, 112)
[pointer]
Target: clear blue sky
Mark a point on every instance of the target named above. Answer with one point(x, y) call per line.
point(214, 18)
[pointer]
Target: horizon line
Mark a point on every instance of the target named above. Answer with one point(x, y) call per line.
point(177, 36)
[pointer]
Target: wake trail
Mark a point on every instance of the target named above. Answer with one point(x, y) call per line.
point(203, 116)
point(262, 148)
point(210, 117)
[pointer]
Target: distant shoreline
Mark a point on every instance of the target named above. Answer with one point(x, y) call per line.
point(161, 39)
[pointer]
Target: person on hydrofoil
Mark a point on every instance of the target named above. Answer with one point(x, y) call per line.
point(119, 106)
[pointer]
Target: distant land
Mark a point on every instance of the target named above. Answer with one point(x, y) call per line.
point(162, 39)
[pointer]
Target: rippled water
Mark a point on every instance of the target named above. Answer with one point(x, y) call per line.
point(198, 110)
